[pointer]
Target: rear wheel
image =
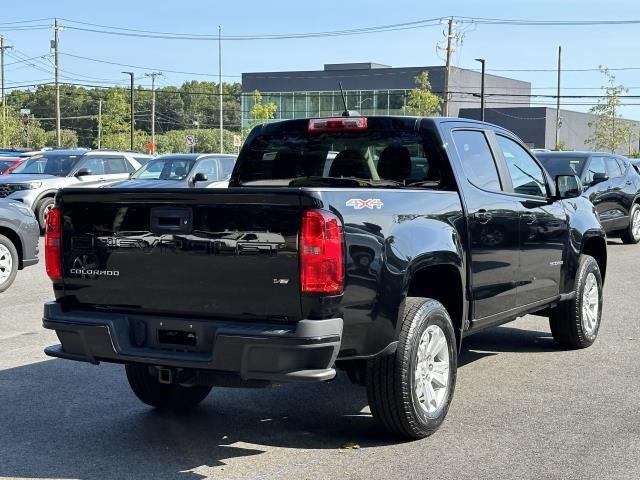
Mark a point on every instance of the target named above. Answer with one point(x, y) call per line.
point(632, 233)
point(44, 206)
point(575, 323)
point(171, 396)
point(410, 391)
point(8, 263)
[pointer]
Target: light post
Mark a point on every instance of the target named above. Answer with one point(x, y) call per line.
point(481, 60)
point(132, 119)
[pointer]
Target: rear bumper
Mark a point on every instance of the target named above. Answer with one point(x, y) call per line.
point(265, 352)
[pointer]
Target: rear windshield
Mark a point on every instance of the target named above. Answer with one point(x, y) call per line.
point(562, 164)
point(165, 168)
point(43, 164)
point(364, 158)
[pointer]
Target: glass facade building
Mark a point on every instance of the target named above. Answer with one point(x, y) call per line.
point(302, 104)
point(371, 89)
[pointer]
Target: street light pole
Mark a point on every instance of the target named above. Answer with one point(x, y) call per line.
point(153, 109)
point(220, 86)
point(482, 61)
point(132, 121)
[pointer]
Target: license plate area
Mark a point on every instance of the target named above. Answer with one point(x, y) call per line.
point(177, 337)
point(172, 335)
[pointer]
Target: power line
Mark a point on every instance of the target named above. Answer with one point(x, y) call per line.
point(147, 68)
point(114, 30)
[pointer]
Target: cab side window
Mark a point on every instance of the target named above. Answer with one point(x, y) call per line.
point(526, 175)
point(477, 159)
point(596, 165)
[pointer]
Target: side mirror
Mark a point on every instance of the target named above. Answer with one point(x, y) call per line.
point(199, 177)
point(83, 172)
point(568, 186)
point(599, 177)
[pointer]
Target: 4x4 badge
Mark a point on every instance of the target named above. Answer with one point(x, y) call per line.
point(359, 203)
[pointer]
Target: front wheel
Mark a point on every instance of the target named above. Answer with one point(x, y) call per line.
point(575, 323)
point(43, 209)
point(410, 391)
point(8, 263)
point(163, 396)
point(631, 234)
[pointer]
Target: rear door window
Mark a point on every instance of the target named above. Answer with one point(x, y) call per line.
point(115, 165)
point(613, 168)
point(477, 160)
point(596, 165)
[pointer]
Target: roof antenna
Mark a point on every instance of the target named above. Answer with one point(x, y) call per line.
point(346, 112)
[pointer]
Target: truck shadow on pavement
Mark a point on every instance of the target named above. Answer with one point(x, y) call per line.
point(61, 419)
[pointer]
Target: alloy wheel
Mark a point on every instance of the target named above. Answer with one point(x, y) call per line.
point(590, 306)
point(6, 264)
point(431, 375)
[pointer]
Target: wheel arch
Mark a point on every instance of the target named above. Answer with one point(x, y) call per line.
point(596, 247)
point(443, 282)
point(17, 242)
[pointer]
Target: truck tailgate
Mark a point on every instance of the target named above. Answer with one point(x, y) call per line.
point(213, 253)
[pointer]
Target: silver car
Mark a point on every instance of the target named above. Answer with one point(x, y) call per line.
point(19, 234)
point(182, 170)
point(36, 180)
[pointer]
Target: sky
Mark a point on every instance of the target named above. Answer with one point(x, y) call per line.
point(503, 47)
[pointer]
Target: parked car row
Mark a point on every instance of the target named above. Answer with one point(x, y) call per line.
point(35, 180)
point(611, 184)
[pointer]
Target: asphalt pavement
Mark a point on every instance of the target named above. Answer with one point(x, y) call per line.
point(522, 409)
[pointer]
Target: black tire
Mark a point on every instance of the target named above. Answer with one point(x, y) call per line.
point(163, 396)
point(568, 322)
point(8, 261)
point(391, 380)
point(43, 206)
point(628, 236)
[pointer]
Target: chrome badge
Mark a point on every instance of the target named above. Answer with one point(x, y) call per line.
point(370, 203)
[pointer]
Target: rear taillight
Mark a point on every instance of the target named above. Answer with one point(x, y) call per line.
point(52, 247)
point(321, 253)
point(337, 124)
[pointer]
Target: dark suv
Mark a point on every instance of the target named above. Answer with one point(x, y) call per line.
point(610, 183)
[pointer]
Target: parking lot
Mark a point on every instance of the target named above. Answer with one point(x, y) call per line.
point(522, 409)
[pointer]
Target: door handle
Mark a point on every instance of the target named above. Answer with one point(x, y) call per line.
point(482, 216)
point(529, 218)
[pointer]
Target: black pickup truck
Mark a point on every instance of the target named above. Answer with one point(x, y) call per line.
point(372, 245)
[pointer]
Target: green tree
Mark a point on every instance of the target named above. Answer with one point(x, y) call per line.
point(261, 112)
point(609, 132)
point(115, 111)
point(422, 101)
point(207, 141)
point(69, 138)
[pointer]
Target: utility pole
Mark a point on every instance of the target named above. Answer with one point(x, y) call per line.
point(3, 47)
point(558, 100)
point(220, 86)
point(481, 60)
point(132, 121)
point(153, 76)
point(56, 68)
point(447, 72)
point(99, 123)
